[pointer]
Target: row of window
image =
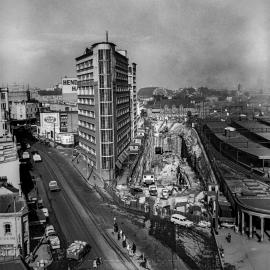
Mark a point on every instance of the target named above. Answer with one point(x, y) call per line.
point(87, 113)
point(121, 147)
point(89, 82)
point(86, 76)
point(121, 76)
point(87, 125)
point(122, 134)
point(121, 89)
point(88, 90)
point(121, 100)
point(123, 122)
point(89, 101)
point(86, 64)
point(122, 111)
point(88, 137)
point(87, 148)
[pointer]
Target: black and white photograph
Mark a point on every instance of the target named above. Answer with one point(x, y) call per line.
point(134, 134)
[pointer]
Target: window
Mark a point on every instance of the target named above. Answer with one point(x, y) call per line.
point(101, 68)
point(7, 228)
point(101, 81)
point(100, 54)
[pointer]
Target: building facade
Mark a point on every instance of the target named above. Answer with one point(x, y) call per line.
point(9, 161)
point(14, 226)
point(18, 92)
point(103, 107)
point(4, 111)
point(21, 110)
point(133, 98)
point(59, 126)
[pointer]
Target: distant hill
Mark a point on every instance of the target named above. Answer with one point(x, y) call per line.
point(146, 91)
point(150, 91)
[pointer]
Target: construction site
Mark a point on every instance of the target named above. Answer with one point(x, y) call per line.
point(160, 177)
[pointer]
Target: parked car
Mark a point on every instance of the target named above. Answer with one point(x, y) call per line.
point(204, 224)
point(49, 230)
point(25, 155)
point(37, 158)
point(77, 250)
point(45, 212)
point(152, 190)
point(54, 241)
point(181, 220)
point(53, 186)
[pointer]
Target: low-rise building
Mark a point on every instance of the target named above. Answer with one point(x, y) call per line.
point(14, 226)
point(60, 127)
point(18, 92)
point(9, 161)
point(21, 110)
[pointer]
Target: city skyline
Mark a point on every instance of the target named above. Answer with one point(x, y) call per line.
point(175, 43)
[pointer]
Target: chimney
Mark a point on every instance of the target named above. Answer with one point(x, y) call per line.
point(107, 36)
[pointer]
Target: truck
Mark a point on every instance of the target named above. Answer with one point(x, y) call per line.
point(153, 190)
point(77, 250)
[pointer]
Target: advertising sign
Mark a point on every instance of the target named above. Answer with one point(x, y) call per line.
point(49, 120)
point(69, 85)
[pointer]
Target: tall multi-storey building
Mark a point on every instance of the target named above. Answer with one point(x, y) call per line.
point(4, 111)
point(133, 98)
point(103, 107)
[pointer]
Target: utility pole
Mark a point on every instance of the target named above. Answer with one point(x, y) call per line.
point(54, 135)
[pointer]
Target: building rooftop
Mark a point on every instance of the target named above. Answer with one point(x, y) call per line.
point(7, 204)
point(239, 141)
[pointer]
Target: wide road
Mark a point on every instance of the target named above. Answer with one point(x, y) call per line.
point(78, 210)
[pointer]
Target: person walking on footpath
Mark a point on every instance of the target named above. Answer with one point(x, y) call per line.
point(121, 233)
point(134, 248)
point(118, 236)
point(94, 264)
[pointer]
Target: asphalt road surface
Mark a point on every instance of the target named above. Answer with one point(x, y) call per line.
point(77, 212)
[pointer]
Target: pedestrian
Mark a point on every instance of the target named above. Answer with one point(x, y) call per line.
point(114, 220)
point(121, 233)
point(134, 248)
point(98, 261)
point(118, 236)
point(128, 247)
point(94, 264)
point(124, 237)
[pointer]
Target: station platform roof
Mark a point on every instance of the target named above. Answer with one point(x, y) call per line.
point(239, 141)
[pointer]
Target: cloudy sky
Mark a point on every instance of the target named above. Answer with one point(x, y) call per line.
point(176, 43)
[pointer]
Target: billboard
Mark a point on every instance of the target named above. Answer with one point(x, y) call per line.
point(69, 85)
point(49, 121)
